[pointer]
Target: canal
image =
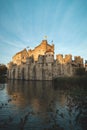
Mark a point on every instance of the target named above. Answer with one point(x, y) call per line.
point(40, 105)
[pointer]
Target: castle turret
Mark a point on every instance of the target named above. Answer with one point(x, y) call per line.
point(49, 56)
point(79, 61)
point(40, 49)
point(59, 58)
point(39, 64)
point(20, 57)
point(68, 59)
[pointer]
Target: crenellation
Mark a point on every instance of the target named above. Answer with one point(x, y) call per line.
point(40, 50)
point(78, 60)
point(59, 58)
point(39, 64)
point(64, 60)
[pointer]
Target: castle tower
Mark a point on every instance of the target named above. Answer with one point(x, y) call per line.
point(48, 69)
point(49, 56)
point(79, 61)
point(20, 57)
point(40, 49)
point(59, 58)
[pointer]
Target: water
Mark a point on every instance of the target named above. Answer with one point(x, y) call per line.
point(40, 105)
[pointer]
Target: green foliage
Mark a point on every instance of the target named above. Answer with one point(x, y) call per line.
point(3, 71)
point(69, 82)
point(80, 72)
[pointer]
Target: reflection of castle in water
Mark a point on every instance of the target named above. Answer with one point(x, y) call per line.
point(39, 64)
point(37, 94)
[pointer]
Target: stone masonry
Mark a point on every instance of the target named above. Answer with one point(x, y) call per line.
point(39, 64)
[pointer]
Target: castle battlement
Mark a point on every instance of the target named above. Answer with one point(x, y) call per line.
point(64, 59)
point(39, 64)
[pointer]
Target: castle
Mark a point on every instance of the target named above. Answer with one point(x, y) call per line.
point(39, 64)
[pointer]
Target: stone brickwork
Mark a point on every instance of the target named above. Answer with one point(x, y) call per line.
point(20, 57)
point(39, 64)
point(40, 50)
point(64, 60)
point(78, 60)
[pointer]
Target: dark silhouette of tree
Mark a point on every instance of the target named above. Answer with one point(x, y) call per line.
point(3, 70)
point(80, 72)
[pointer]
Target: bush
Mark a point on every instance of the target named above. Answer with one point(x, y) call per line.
point(80, 72)
point(3, 72)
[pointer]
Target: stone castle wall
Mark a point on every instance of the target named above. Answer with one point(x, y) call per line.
point(39, 71)
point(39, 64)
point(63, 60)
point(20, 57)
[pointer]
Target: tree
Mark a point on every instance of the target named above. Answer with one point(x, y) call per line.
point(3, 70)
point(80, 71)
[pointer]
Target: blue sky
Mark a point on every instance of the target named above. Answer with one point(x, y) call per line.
point(25, 23)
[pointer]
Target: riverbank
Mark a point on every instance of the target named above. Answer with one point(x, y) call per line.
point(62, 81)
point(71, 81)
